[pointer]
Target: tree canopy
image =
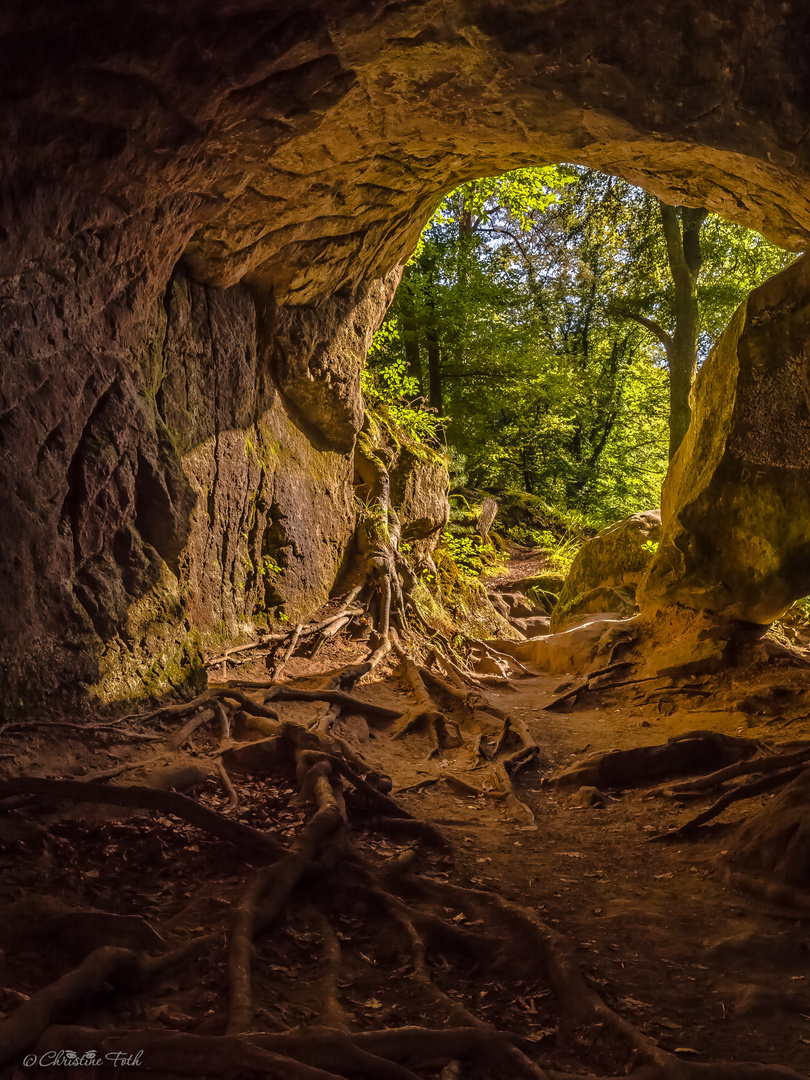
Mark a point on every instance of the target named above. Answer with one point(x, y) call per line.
point(534, 320)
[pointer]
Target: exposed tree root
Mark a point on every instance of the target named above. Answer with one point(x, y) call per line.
point(338, 877)
point(692, 751)
point(703, 785)
point(143, 798)
point(230, 790)
point(334, 697)
point(31, 1018)
point(496, 933)
point(744, 791)
point(425, 713)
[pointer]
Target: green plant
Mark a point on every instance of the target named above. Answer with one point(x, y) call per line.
point(565, 551)
point(545, 539)
point(269, 566)
point(464, 551)
point(542, 598)
point(650, 546)
point(392, 394)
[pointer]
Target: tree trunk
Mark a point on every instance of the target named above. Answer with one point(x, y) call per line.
point(409, 327)
point(434, 356)
point(682, 235)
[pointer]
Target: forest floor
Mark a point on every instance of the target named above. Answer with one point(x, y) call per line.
point(708, 973)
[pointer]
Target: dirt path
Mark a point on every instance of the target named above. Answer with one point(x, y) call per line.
point(695, 964)
point(706, 972)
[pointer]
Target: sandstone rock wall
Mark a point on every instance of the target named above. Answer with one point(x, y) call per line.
point(186, 501)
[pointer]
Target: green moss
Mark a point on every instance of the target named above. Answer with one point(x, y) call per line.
point(547, 581)
point(383, 429)
point(184, 672)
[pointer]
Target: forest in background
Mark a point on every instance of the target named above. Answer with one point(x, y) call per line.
point(547, 330)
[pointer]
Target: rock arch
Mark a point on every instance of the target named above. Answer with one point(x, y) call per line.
point(202, 211)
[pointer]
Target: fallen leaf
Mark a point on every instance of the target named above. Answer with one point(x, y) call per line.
point(538, 1034)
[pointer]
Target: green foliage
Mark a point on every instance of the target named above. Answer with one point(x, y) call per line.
point(650, 546)
point(465, 551)
point(509, 336)
point(565, 551)
point(390, 391)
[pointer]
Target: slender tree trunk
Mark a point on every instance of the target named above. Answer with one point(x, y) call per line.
point(410, 337)
point(682, 235)
point(434, 358)
point(528, 482)
point(431, 337)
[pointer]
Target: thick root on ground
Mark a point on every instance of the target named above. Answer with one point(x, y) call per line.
point(332, 904)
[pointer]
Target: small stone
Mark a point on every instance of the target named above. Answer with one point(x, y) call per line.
point(589, 796)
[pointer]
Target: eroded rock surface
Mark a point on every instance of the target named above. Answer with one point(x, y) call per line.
point(419, 487)
point(736, 501)
point(189, 505)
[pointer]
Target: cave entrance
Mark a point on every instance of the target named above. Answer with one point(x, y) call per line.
point(203, 214)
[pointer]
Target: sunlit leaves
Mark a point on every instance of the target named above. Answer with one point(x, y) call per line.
point(513, 292)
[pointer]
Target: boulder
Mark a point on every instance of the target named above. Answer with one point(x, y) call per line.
point(419, 486)
point(576, 649)
point(608, 568)
point(546, 581)
point(736, 499)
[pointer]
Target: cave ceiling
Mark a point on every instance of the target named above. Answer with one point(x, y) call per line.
point(301, 146)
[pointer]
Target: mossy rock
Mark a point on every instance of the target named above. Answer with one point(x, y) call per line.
point(520, 508)
point(550, 581)
point(736, 498)
point(543, 598)
point(608, 568)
